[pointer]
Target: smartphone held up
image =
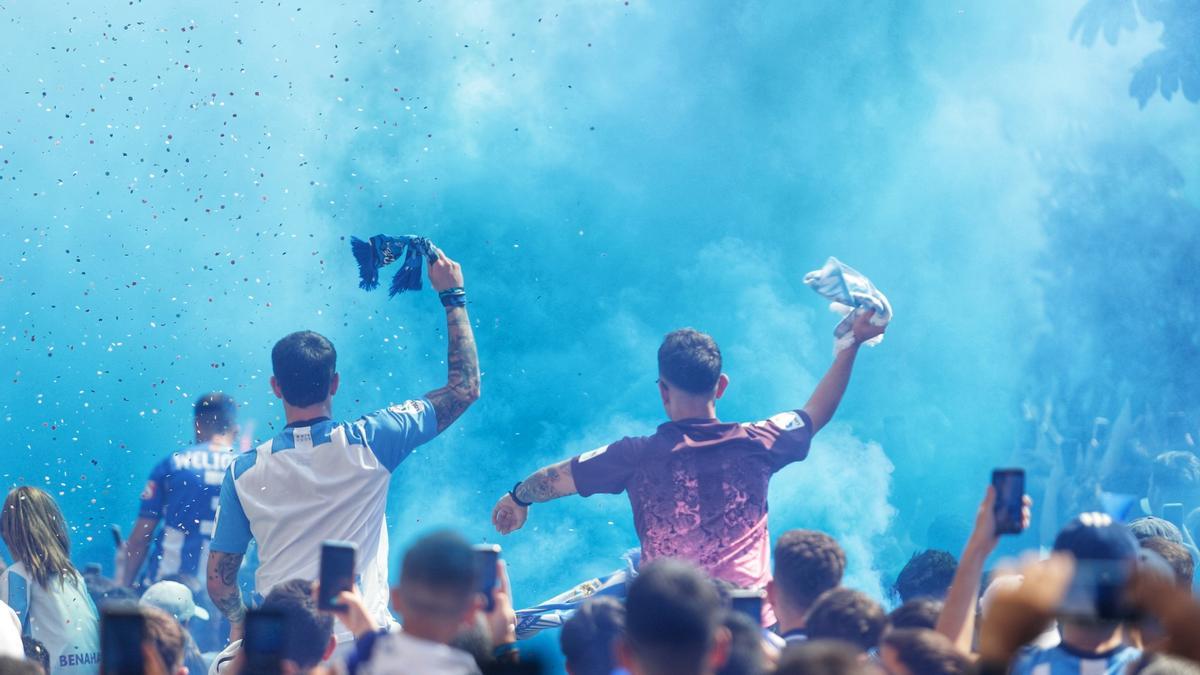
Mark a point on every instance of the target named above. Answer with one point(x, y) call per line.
point(1009, 485)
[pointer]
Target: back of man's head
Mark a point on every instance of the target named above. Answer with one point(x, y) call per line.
point(927, 574)
point(165, 633)
point(746, 653)
point(916, 613)
point(1177, 556)
point(1153, 526)
point(437, 578)
point(304, 364)
point(690, 360)
point(807, 563)
point(308, 631)
point(921, 651)
point(215, 413)
point(823, 657)
point(672, 616)
point(1175, 477)
point(848, 615)
point(588, 637)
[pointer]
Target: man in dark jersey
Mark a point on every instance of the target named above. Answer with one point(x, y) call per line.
point(698, 486)
point(182, 494)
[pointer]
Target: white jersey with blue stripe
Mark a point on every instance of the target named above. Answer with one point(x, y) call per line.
point(321, 480)
point(60, 615)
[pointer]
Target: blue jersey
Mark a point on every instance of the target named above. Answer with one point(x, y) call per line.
point(183, 491)
point(1062, 660)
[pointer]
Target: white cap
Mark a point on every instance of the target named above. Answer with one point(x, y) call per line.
point(175, 599)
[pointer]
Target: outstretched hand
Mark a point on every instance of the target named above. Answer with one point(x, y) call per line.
point(1018, 615)
point(444, 273)
point(507, 516)
point(863, 329)
point(984, 533)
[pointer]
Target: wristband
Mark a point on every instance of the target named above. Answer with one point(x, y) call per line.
point(507, 652)
point(513, 493)
point(454, 297)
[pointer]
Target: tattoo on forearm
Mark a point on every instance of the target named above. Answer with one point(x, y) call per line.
point(548, 483)
point(462, 382)
point(227, 597)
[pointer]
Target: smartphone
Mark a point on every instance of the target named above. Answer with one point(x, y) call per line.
point(1097, 592)
point(748, 602)
point(122, 632)
point(1173, 513)
point(1010, 496)
point(486, 557)
point(337, 572)
point(266, 638)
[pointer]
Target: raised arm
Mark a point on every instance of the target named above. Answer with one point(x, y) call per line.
point(135, 548)
point(828, 394)
point(550, 482)
point(462, 361)
point(223, 589)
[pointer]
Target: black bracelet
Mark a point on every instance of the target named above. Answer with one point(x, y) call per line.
point(454, 297)
point(513, 493)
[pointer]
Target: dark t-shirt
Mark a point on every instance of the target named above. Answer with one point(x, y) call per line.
point(698, 488)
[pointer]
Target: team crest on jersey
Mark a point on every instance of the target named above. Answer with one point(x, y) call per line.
point(408, 408)
point(592, 453)
point(788, 421)
point(148, 491)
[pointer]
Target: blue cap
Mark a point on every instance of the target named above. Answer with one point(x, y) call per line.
point(1096, 536)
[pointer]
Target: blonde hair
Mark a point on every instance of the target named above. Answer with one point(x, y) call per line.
point(33, 528)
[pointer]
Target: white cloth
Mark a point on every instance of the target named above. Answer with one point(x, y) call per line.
point(62, 617)
point(851, 294)
point(10, 633)
point(221, 663)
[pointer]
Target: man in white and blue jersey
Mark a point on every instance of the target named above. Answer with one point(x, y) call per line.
point(320, 479)
point(182, 495)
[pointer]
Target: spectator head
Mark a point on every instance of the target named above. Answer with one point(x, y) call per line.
point(35, 532)
point(1174, 477)
point(309, 634)
point(689, 365)
point(11, 665)
point(305, 366)
point(175, 599)
point(927, 574)
point(747, 655)
point(921, 651)
point(1095, 536)
point(105, 591)
point(916, 613)
point(589, 637)
point(35, 651)
point(216, 415)
point(847, 615)
point(164, 633)
point(436, 594)
point(807, 563)
point(673, 622)
point(823, 657)
point(1153, 526)
point(1177, 556)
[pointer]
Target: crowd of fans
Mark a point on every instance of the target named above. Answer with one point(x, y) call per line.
point(1113, 596)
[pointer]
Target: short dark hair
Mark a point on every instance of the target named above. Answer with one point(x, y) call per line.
point(807, 563)
point(437, 576)
point(926, 651)
point(165, 633)
point(216, 413)
point(690, 360)
point(746, 655)
point(916, 613)
point(822, 657)
point(849, 615)
point(587, 637)
point(304, 363)
point(308, 630)
point(1176, 555)
point(672, 612)
point(927, 574)
point(35, 652)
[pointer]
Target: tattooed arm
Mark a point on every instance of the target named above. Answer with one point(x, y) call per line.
point(462, 381)
point(547, 483)
point(223, 589)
